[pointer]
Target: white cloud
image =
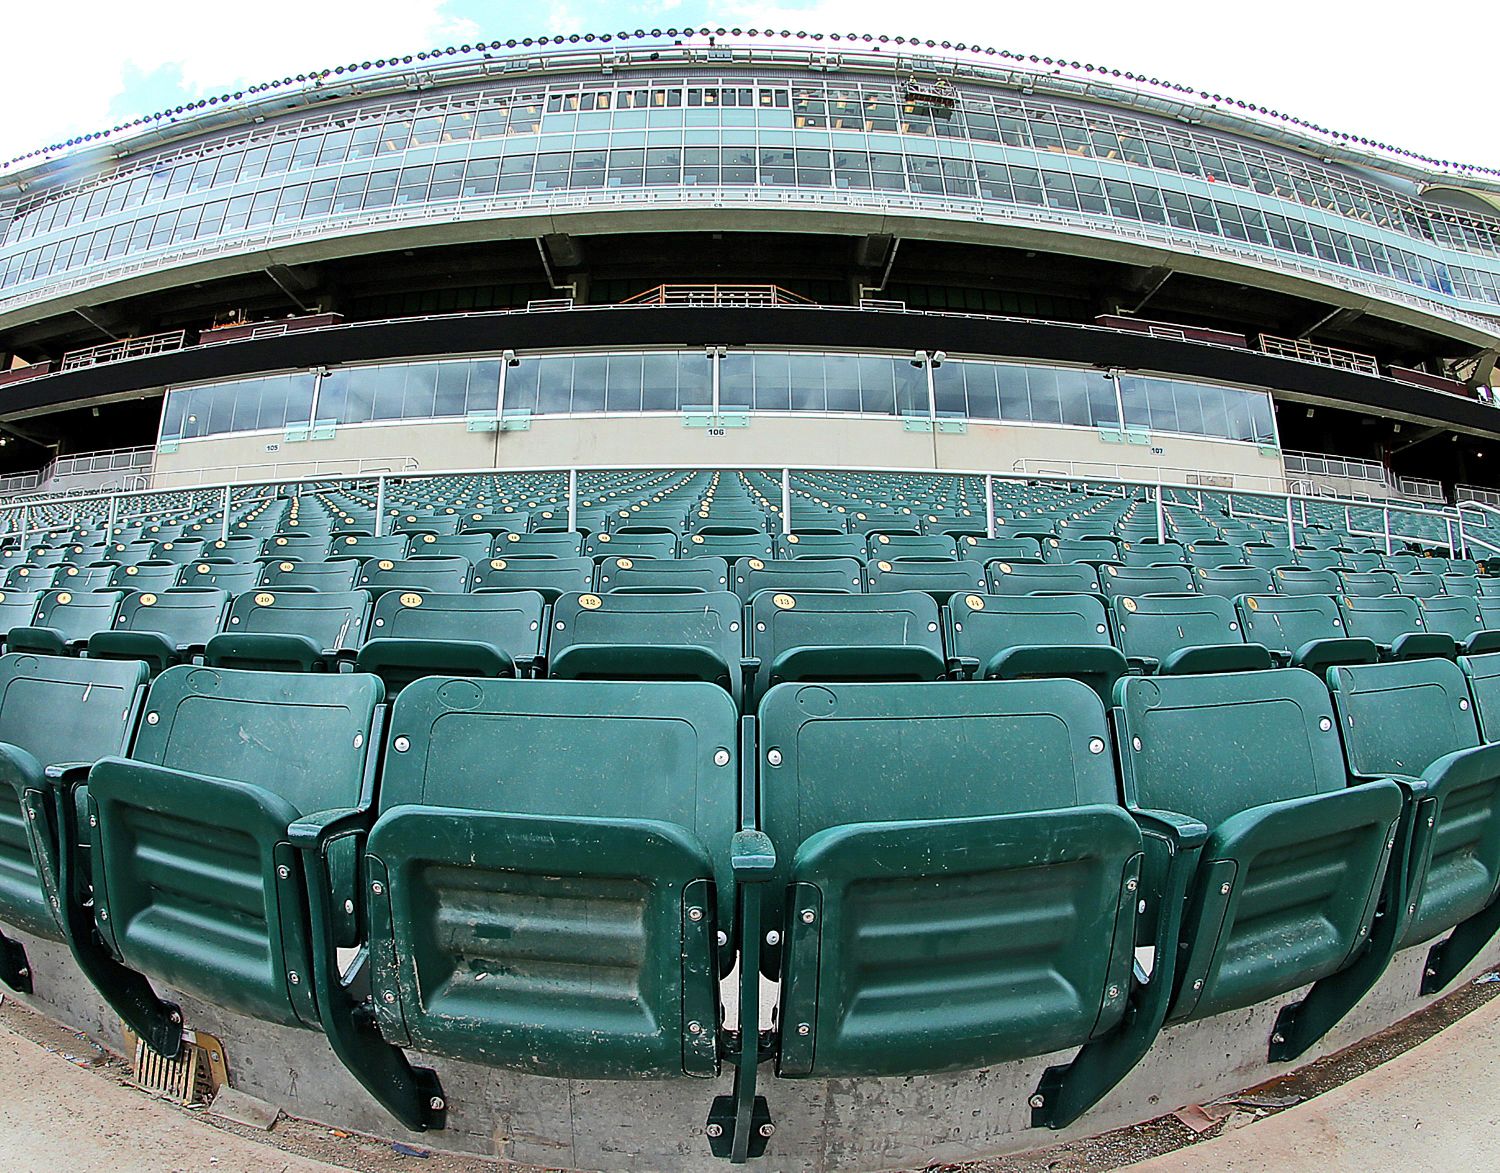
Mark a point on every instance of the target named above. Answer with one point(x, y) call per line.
point(68, 63)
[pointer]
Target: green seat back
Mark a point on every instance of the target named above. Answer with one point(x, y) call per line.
point(1232, 581)
point(18, 609)
point(816, 545)
point(536, 901)
point(1420, 586)
point(1089, 550)
point(841, 575)
point(549, 576)
point(638, 545)
point(365, 547)
point(91, 577)
point(1455, 615)
point(1284, 623)
point(187, 616)
point(1483, 675)
point(1152, 627)
point(627, 636)
point(1367, 584)
point(939, 578)
point(567, 544)
point(475, 547)
point(219, 574)
point(1021, 578)
point(508, 620)
point(1146, 580)
point(1152, 553)
point(1384, 619)
point(986, 550)
point(298, 744)
point(334, 620)
point(966, 905)
point(76, 615)
point(1295, 580)
point(1290, 876)
point(728, 545)
point(443, 575)
point(144, 576)
point(984, 625)
point(56, 710)
point(890, 547)
point(339, 574)
point(685, 574)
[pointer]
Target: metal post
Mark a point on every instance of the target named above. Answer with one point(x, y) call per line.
point(1291, 532)
point(1386, 510)
point(572, 498)
point(1302, 505)
point(114, 504)
point(989, 505)
point(1161, 513)
point(1348, 523)
point(1231, 504)
point(379, 505)
point(1463, 538)
point(224, 527)
point(25, 524)
point(786, 500)
point(1452, 552)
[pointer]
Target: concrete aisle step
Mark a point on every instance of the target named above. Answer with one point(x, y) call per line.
point(1434, 1108)
point(55, 1116)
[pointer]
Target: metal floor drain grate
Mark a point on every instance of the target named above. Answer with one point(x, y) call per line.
point(197, 1072)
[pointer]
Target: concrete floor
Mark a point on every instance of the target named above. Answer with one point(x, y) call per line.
point(1434, 1108)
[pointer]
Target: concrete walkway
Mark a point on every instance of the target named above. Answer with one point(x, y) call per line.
point(1436, 1107)
point(55, 1116)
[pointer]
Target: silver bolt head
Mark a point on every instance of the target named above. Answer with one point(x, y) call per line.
point(721, 757)
point(388, 997)
point(1278, 1038)
point(176, 1016)
point(767, 1129)
point(437, 1103)
point(808, 916)
point(695, 914)
point(1114, 991)
point(722, 937)
point(377, 887)
point(1224, 889)
point(294, 978)
point(348, 906)
point(773, 756)
point(773, 938)
point(1038, 1101)
point(1130, 885)
point(695, 1028)
point(804, 1029)
point(715, 1130)
point(401, 744)
point(282, 871)
point(1198, 985)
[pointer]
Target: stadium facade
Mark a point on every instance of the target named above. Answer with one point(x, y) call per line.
point(564, 500)
point(704, 246)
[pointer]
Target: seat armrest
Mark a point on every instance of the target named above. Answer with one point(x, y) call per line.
point(963, 667)
point(1182, 830)
point(66, 775)
point(313, 832)
point(752, 856)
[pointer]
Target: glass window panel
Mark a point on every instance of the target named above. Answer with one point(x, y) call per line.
point(810, 382)
point(948, 388)
point(388, 391)
point(1046, 402)
point(1104, 412)
point(1214, 401)
point(554, 386)
point(982, 389)
point(521, 386)
point(1134, 398)
point(659, 374)
point(622, 388)
point(1073, 396)
point(736, 383)
point(590, 372)
point(877, 385)
point(773, 386)
point(450, 388)
point(484, 385)
point(1188, 398)
point(1011, 386)
point(421, 391)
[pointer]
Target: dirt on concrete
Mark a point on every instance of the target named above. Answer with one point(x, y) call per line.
point(304, 1143)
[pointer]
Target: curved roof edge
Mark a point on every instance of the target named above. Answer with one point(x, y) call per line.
point(707, 46)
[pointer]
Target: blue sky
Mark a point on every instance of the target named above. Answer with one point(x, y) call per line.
point(1408, 81)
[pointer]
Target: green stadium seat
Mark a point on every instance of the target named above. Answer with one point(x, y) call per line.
point(1367, 584)
point(820, 545)
point(841, 575)
point(1092, 551)
point(415, 634)
point(728, 542)
point(800, 635)
point(550, 577)
point(295, 545)
point(982, 549)
point(1305, 631)
point(1298, 580)
point(627, 636)
point(1177, 634)
point(95, 576)
point(144, 576)
point(631, 545)
point(940, 578)
point(663, 574)
point(441, 575)
point(1420, 586)
point(1402, 563)
point(162, 630)
point(291, 631)
point(559, 544)
point(263, 781)
point(598, 904)
point(61, 715)
point(1015, 637)
point(1267, 557)
point(1215, 554)
point(1018, 889)
point(1395, 625)
point(890, 547)
point(64, 622)
point(417, 524)
point(1146, 580)
point(1152, 553)
point(1461, 584)
point(1459, 616)
point(475, 547)
point(27, 577)
point(340, 574)
point(1288, 884)
point(1317, 559)
point(18, 609)
point(1233, 581)
point(181, 551)
point(220, 574)
point(1413, 721)
point(1025, 578)
point(364, 547)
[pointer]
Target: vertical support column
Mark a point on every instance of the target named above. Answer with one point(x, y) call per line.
point(224, 526)
point(714, 353)
point(1386, 511)
point(1452, 549)
point(25, 525)
point(989, 505)
point(1231, 504)
point(380, 505)
point(573, 473)
point(1291, 531)
point(1463, 538)
point(1348, 523)
point(114, 507)
point(1161, 513)
point(786, 501)
point(931, 391)
point(1302, 506)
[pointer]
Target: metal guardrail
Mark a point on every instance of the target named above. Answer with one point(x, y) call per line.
point(1349, 468)
point(718, 295)
point(125, 348)
point(1328, 356)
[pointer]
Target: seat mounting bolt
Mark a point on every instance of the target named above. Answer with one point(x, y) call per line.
point(1038, 1101)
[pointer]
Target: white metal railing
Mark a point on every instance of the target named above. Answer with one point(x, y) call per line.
point(1420, 488)
point(1327, 356)
point(110, 460)
point(971, 210)
point(1349, 468)
point(44, 515)
point(1463, 493)
point(125, 348)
